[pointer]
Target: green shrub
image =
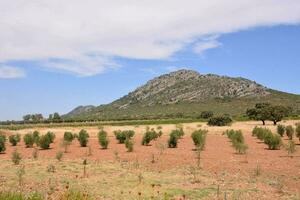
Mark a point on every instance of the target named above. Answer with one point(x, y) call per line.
point(273, 141)
point(220, 121)
point(290, 132)
point(179, 132)
point(206, 114)
point(36, 137)
point(122, 135)
point(261, 132)
point(44, 141)
point(2, 143)
point(199, 138)
point(281, 130)
point(298, 130)
point(16, 157)
point(103, 139)
point(28, 140)
point(129, 144)
point(290, 147)
point(68, 136)
point(149, 135)
point(51, 136)
point(238, 141)
point(83, 138)
point(173, 140)
point(14, 139)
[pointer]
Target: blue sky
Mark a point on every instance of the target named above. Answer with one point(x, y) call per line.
point(55, 70)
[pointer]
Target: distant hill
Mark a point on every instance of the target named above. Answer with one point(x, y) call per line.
point(185, 93)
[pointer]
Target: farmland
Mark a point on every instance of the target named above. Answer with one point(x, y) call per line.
point(153, 171)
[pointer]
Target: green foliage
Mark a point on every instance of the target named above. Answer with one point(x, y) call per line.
point(266, 111)
point(290, 147)
point(2, 143)
point(129, 144)
point(150, 135)
point(16, 157)
point(14, 139)
point(220, 121)
point(51, 136)
point(83, 138)
point(44, 141)
point(122, 135)
point(36, 136)
point(173, 139)
point(103, 139)
point(19, 196)
point(281, 130)
point(206, 114)
point(290, 132)
point(260, 132)
point(68, 136)
point(272, 140)
point(237, 139)
point(298, 130)
point(28, 140)
point(178, 132)
point(199, 138)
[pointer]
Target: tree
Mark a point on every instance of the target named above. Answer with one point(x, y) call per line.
point(260, 112)
point(266, 111)
point(277, 113)
point(26, 118)
point(56, 117)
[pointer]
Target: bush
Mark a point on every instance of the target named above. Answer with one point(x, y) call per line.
point(83, 138)
point(45, 141)
point(179, 132)
point(129, 144)
point(149, 136)
point(281, 130)
point(51, 136)
point(102, 139)
point(173, 140)
point(19, 196)
point(2, 143)
point(289, 132)
point(28, 140)
point(298, 131)
point(238, 141)
point(16, 157)
point(122, 135)
point(36, 137)
point(220, 121)
point(273, 141)
point(261, 132)
point(68, 136)
point(14, 139)
point(199, 138)
point(206, 114)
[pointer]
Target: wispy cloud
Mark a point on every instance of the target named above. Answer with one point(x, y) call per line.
point(45, 30)
point(9, 72)
point(205, 44)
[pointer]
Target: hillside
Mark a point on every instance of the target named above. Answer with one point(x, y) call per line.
point(185, 93)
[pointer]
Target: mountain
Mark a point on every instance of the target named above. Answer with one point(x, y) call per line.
point(185, 93)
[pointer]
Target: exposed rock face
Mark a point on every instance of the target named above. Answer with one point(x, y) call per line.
point(190, 86)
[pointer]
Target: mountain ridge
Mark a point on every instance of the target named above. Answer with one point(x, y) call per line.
point(184, 93)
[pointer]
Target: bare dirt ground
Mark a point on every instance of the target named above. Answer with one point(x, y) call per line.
point(221, 168)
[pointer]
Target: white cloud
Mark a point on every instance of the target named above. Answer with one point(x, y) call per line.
point(206, 44)
point(9, 72)
point(69, 30)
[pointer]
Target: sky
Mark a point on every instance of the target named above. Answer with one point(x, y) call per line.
point(56, 55)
